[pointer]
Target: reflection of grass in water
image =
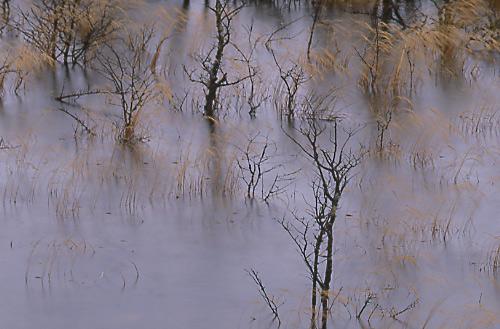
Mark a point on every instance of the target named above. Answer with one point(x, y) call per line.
point(491, 264)
point(135, 176)
point(483, 123)
point(132, 168)
point(58, 262)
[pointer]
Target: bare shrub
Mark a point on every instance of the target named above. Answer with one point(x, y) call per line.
point(126, 64)
point(292, 77)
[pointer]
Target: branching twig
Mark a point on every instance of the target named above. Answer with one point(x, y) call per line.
point(78, 120)
point(270, 300)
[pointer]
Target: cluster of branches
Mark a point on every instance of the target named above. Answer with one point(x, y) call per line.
point(68, 31)
point(4, 145)
point(256, 166)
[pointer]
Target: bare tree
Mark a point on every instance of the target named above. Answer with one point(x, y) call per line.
point(317, 8)
point(334, 164)
point(213, 76)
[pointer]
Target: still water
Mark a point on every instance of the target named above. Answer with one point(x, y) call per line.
point(96, 234)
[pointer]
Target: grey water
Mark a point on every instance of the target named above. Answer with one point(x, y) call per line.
point(95, 234)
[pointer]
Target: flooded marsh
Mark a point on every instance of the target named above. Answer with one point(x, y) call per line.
point(256, 164)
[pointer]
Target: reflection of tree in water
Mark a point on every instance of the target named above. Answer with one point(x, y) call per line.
point(215, 151)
